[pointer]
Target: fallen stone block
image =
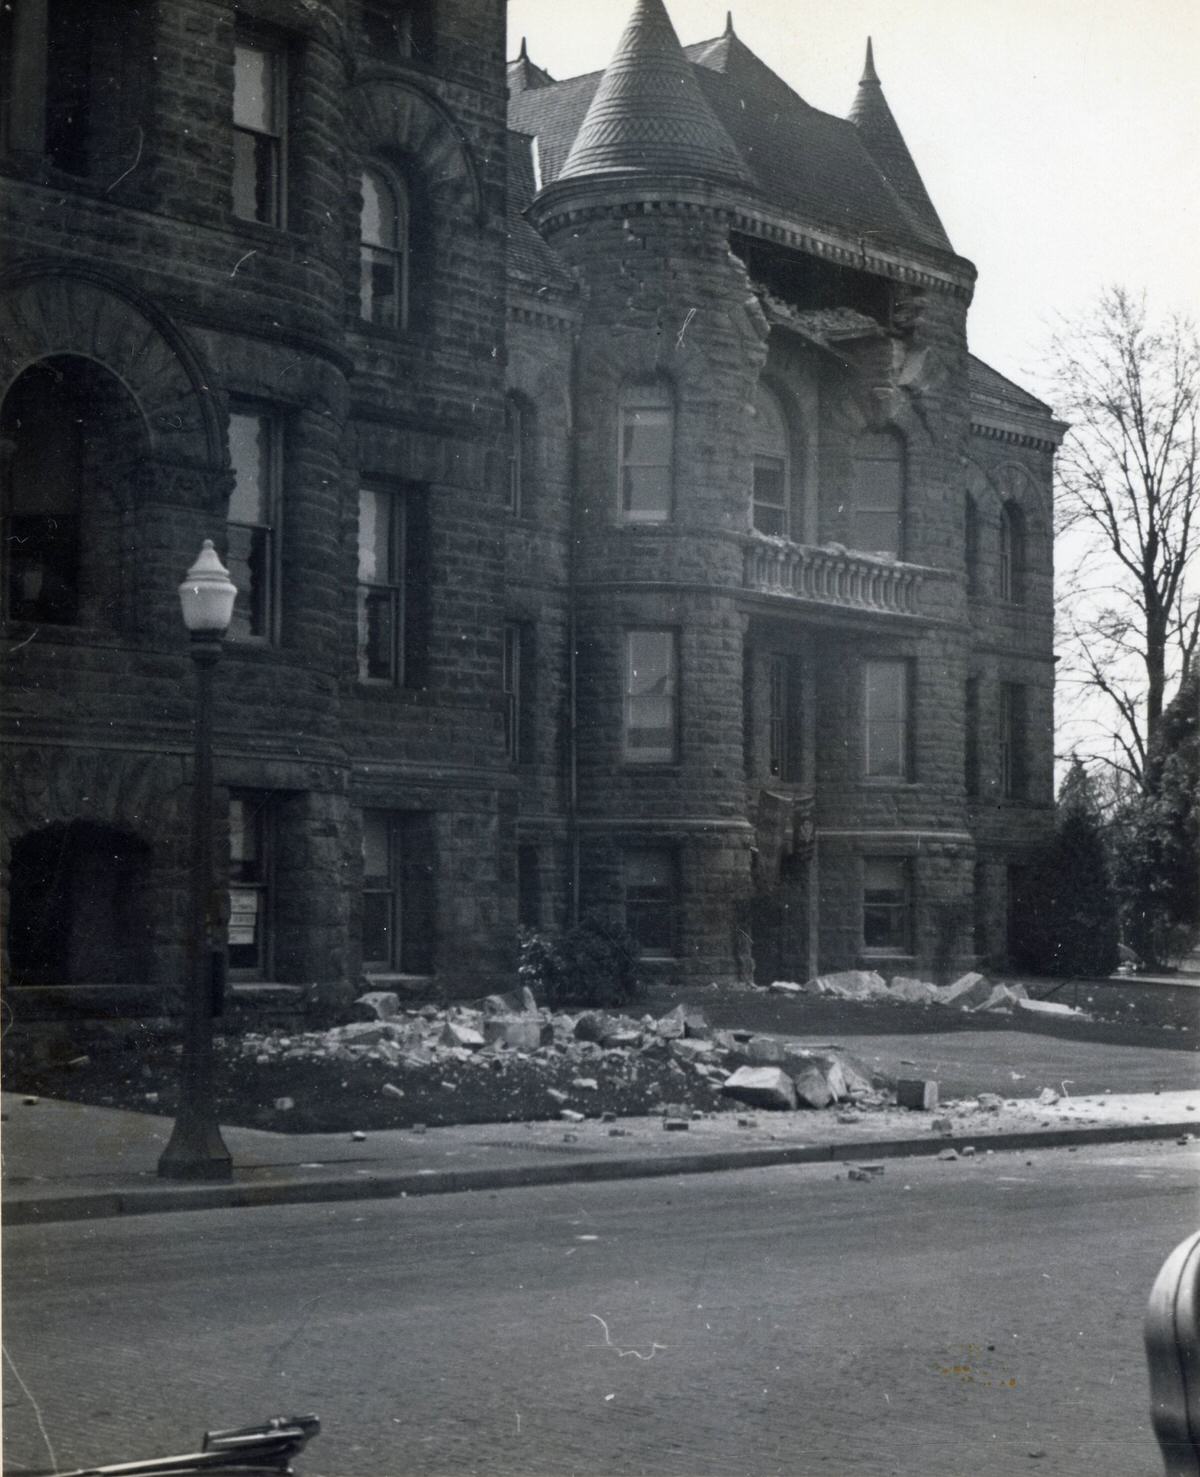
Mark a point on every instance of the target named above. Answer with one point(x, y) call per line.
point(990, 1102)
point(967, 991)
point(799, 1061)
point(763, 1051)
point(948, 1154)
point(918, 1094)
point(911, 991)
point(519, 1032)
point(785, 987)
point(942, 1125)
point(688, 1049)
point(763, 1087)
point(676, 1125)
point(389, 1089)
point(282, 1104)
point(865, 1171)
point(569, 1115)
point(377, 1005)
point(851, 984)
point(1002, 997)
point(464, 1037)
point(558, 1095)
point(747, 1123)
point(585, 1084)
point(812, 1086)
point(1048, 1096)
point(1053, 1007)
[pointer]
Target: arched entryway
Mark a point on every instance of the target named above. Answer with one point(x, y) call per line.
point(78, 910)
point(75, 445)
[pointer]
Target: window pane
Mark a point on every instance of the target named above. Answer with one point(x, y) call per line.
point(249, 453)
point(770, 429)
point(646, 436)
point(254, 88)
point(377, 928)
point(885, 903)
point(650, 697)
point(374, 537)
point(377, 631)
point(378, 211)
point(650, 900)
point(248, 555)
point(647, 493)
point(646, 449)
point(255, 177)
point(376, 847)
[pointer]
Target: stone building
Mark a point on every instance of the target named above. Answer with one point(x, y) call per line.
point(619, 519)
point(786, 543)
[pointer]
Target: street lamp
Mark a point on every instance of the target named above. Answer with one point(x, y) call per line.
point(196, 1150)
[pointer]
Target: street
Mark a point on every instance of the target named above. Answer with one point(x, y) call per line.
point(978, 1317)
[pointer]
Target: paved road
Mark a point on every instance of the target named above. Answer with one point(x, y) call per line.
point(981, 1317)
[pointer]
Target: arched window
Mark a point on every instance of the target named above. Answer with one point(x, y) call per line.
point(383, 250)
point(646, 451)
point(971, 544)
point(1012, 554)
point(772, 465)
point(878, 503)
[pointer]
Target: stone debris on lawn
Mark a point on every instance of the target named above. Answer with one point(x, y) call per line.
point(1048, 1096)
point(569, 1115)
point(942, 1125)
point(747, 1123)
point(948, 1154)
point(585, 1084)
point(389, 1089)
point(676, 1125)
point(990, 1102)
point(1053, 1007)
point(358, 1136)
point(865, 1171)
point(284, 1104)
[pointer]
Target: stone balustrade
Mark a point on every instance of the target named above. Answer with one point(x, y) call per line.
point(837, 577)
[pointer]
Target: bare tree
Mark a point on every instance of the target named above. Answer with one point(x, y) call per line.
point(1128, 521)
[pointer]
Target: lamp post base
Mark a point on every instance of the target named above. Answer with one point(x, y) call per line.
point(196, 1151)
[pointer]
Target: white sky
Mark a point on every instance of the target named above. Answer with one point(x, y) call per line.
point(1058, 139)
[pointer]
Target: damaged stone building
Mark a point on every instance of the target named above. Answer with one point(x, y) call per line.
point(619, 519)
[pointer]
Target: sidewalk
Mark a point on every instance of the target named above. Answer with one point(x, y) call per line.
point(66, 1161)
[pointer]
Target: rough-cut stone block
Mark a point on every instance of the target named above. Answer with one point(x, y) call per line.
point(521, 1032)
point(377, 1005)
point(967, 991)
point(918, 1094)
point(852, 984)
point(812, 1087)
point(763, 1051)
point(763, 1087)
point(913, 992)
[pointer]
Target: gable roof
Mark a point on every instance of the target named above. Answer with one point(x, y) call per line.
point(792, 158)
point(989, 386)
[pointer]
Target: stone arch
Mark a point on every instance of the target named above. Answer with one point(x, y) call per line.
point(135, 793)
point(49, 310)
point(395, 117)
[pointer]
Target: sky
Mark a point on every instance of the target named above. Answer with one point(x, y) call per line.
point(1058, 139)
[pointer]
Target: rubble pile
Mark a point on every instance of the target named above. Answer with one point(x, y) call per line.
point(971, 992)
point(523, 1061)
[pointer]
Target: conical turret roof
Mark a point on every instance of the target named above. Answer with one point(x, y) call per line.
point(649, 115)
point(881, 134)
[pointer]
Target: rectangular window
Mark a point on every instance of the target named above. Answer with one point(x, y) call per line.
point(971, 737)
point(250, 865)
point(381, 561)
point(255, 453)
point(887, 723)
point(887, 905)
point(651, 679)
point(512, 692)
point(651, 900)
point(646, 450)
point(784, 758)
point(397, 913)
point(259, 132)
point(770, 494)
point(878, 525)
point(1012, 740)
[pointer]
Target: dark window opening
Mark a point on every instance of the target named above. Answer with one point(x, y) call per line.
point(1012, 554)
point(383, 250)
point(887, 905)
point(398, 909)
point(252, 531)
point(971, 738)
point(784, 756)
point(651, 697)
point(651, 900)
point(878, 510)
point(887, 715)
point(1013, 729)
point(646, 453)
point(399, 30)
point(251, 866)
point(971, 544)
point(259, 131)
point(392, 587)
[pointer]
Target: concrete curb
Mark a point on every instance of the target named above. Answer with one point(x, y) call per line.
point(37, 1210)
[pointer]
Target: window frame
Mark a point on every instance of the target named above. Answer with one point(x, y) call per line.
point(1010, 567)
point(971, 777)
point(860, 509)
point(766, 400)
point(512, 680)
point(275, 50)
point(398, 254)
point(265, 827)
point(783, 719)
point(386, 887)
point(640, 397)
point(273, 424)
point(517, 430)
point(407, 834)
point(1012, 725)
point(664, 754)
point(971, 546)
point(395, 585)
point(903, 724)
point(637, 908)
point(898, 942)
